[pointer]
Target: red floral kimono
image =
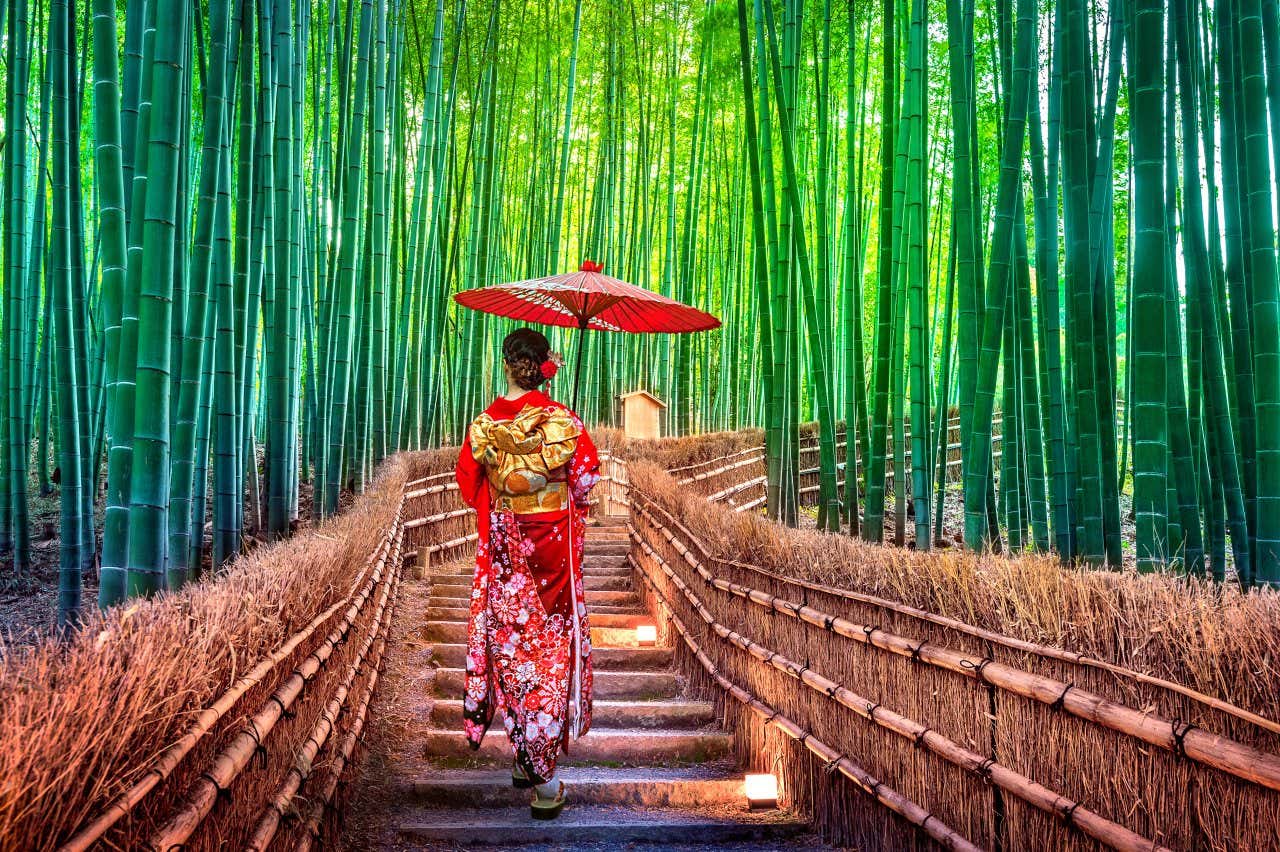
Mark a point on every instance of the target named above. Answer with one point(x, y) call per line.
point(526, 467)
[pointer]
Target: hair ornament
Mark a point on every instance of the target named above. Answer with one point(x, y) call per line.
point(551, 365)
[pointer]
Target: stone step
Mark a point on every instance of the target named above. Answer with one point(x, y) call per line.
point(454, 655)
point(599, 531)
point(602, 538)
point(651, 787)
point(618, 581)
point(629, 746)
point(618, 635)
point(448, 591)
point(611, 825)
point(607, 684)
point(451, 609)
point(606, 548)
point(676, 714)
point(595, 566)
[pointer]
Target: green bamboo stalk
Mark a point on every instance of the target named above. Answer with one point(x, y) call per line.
point(149, 485)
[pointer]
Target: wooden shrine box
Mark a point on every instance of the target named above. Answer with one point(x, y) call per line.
point(641, 414)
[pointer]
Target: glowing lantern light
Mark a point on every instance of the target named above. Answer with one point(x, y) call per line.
point(646, 634)
point(762, 791)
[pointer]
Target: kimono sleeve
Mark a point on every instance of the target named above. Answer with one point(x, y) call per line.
point(472, 484)
point(584, 469)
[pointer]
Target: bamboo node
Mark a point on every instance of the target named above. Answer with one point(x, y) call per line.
point(919, 737)
point(1069, 815)
point(984, 769)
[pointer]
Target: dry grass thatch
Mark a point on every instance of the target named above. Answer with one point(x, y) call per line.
point(81, 722)
point(1214, 640)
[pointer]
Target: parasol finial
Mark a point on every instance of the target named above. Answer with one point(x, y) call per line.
point(591, 266)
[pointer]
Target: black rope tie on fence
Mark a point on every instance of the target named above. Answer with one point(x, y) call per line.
point(1069, 815)
point(259, 750)
point(984, 769)
point(832, 765)
point(915, 652)
point(829, 624)
point(1180, 731)
point(979, 669)
point(919, 737)
point(1058, 702)
point(284, 711)
point(222, 794)
point(868, 630)
point(872, 707)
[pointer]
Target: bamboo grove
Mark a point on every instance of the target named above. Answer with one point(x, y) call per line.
point(1029, 243)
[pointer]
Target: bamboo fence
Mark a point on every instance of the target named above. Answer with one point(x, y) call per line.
point(1115, 734)
point(222, 716)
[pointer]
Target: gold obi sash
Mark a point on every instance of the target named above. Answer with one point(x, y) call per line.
point(523, 458)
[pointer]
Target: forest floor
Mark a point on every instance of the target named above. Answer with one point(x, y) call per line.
point(29, 602)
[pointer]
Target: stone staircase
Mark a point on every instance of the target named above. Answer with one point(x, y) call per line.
point(655, 770)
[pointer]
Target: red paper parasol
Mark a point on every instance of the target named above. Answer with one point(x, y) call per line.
point(587, 299)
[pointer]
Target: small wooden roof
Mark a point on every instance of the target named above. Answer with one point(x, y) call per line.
point(657, 401)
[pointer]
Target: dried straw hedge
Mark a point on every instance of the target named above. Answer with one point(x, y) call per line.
point(1031, 618)
point(85, 721)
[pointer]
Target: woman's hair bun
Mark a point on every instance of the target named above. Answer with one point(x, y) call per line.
point(525, 350)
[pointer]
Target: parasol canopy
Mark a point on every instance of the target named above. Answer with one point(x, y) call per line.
point(588, 299)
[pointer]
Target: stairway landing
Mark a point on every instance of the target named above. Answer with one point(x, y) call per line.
point(655, 771)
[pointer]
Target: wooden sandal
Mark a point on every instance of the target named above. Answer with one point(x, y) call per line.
point(541, 808)
point(518, 779)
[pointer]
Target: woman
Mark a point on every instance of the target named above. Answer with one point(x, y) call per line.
point(526, 467)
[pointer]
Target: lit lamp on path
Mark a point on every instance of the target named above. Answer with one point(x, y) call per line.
point(762, 791)
point(646, 635)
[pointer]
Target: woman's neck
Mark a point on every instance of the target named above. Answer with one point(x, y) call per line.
point(514, 392)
